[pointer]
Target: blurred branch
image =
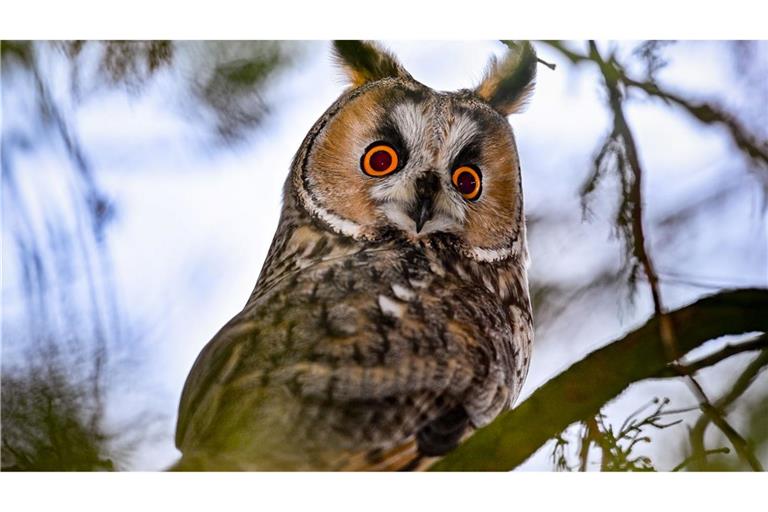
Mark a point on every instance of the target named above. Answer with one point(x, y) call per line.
point(51, 420)
point(583, 389)
point(739, 387)
point(559, 456)
point(709, 114)
point(693, 458)
point(705, 112)
point(589, 436)
point(231, 80)
point(632, 204)
point(574, 57)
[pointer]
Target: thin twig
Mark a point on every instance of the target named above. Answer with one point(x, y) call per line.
point(757, 343)
point(695, 457)
point(550, 65)
point(681, 410)
point(574, 57)
point(708, 114)
point(591, 434)
point(739, 387)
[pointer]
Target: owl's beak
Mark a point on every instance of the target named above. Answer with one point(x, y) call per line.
point(423, 214)
point(426, 189)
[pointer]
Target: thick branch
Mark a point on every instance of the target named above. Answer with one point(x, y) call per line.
point(584, 388)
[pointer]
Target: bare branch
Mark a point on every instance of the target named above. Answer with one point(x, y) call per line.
point(739, 387)
point(590, 428)
point(693, 458)
point(761, 342)
point(706, 113)
point(709, 114)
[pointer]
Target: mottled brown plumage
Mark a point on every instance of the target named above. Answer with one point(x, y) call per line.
point(371, 342)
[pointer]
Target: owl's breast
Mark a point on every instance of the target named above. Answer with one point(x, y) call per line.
point(390, 319)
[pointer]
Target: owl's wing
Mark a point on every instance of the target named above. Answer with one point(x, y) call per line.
point(419, 451)
point(293, 374)
point(201, 396)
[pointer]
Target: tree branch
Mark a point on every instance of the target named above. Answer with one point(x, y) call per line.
point(761, 342)
point(694, 458)
point(706, 113)
point(584, 388)
point(709, 114)
point(739, 387)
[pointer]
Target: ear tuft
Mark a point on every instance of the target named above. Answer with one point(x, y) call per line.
point(365, 61)
point(508, 85)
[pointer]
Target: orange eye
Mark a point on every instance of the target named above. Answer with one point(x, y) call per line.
point(379, 160)
point(467, 181)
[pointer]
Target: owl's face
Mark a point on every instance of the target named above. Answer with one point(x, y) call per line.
point(393, 153)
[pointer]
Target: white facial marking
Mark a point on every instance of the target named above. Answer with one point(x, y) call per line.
point(439, 223)
point(397, 216)
point(451, 205)
point(459, 134)
point(411, 123)
point(519, 249)
point(338, 224)
point(482, 254)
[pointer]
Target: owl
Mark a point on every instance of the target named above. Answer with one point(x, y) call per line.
point(392, 316)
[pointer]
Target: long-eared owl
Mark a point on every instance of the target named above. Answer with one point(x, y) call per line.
point(391, 317)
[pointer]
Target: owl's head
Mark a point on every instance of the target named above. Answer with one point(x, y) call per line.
point(392, 153)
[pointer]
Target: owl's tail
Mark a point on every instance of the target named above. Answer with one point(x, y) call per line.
point(405, 457)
